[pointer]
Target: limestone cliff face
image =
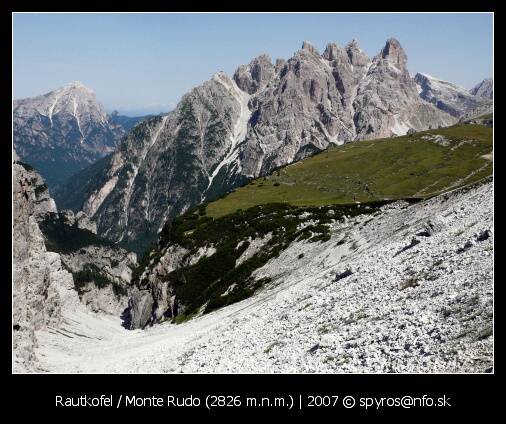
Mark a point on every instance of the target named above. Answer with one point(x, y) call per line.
point(164, 165)
point(299, 111)
point(231, 129)
point(58, 263)
point(101, 270)
point(102, 276)
point(387, 101)
point(41, 287)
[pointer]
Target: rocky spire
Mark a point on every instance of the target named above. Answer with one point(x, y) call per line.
point(306, 45)
point(254, 76)
point(393, 52)
point(356, 55)
point(353, 44)
point(280, 63)
point(331, 51)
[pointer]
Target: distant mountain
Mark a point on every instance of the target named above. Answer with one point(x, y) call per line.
point(229, 130)
point(451, 98)
point(126, 122)
point(64, 131)
point(484, 89)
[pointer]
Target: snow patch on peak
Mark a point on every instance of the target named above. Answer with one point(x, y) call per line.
point(440, 84)
point(77, 119)
point(51, 109)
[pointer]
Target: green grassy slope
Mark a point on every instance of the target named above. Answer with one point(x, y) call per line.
point(391, 168)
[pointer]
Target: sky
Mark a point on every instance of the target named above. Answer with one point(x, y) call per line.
point(144, 63)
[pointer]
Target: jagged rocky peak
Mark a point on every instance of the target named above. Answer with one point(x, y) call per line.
point(307, 46)
point(280, 64)
point(301, 114)
point(330, 52)
point(165, 164)
point(60, 100)
point(77, 100)
point(78, 85)
point(349, 66)
point(253, 77)
point(351, 53)
point(394, 53)
point(484, 89)
point(356, 54)
point(388, 101)
point(77, 89)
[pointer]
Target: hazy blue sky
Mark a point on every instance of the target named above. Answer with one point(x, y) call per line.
point(141, 63)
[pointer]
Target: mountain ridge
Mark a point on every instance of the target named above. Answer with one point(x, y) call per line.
point(231, 129)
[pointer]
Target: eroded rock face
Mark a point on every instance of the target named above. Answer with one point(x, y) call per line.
point(255, 76)
point(69, 254)
point(101, 270)
point(41, 287)
point(299, 112)
point(80, 220)
point(141, 307)
point(349, 66)
point(153, 284)
point(109, 290)
point(165, 164)
point(228, 130)
point(387, 101)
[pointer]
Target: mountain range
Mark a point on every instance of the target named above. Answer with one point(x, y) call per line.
point(229, 130)
point(334, 192)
